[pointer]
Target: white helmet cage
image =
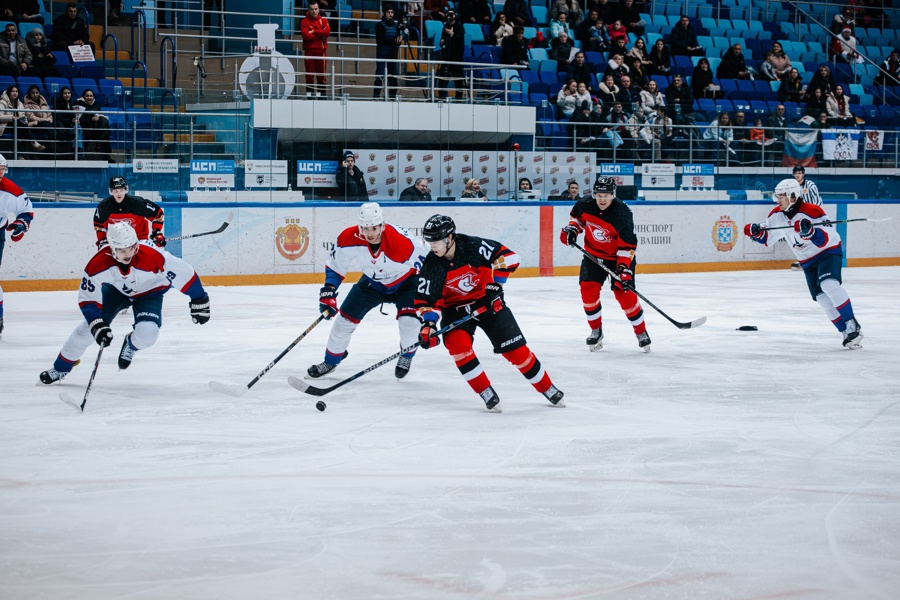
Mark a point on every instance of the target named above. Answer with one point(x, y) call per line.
point(790, 188)
point(370, 215)
point(121, 235)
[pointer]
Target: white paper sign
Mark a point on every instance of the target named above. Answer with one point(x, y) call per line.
point(81, 54)
point(265, 173)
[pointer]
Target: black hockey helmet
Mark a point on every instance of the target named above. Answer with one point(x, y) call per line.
point(437, 228)
point(118, 182)
point(799, 169)
point(605, 185)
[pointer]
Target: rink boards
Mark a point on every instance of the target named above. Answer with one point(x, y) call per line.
point(289, 243)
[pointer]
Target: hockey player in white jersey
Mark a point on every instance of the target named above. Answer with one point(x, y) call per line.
point(817, 245)
point(13, 201)
point(389, 258)
point(127, 273)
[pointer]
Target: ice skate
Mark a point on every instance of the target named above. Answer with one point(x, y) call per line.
point(52, 376)
point(126, 355)
point(491, 400)
point(853, 335)
point(595, 340)
point(323, 368)
point(402, 368)
point(644, 341)
point(555, 396)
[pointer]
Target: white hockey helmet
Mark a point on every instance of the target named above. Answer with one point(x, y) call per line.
point(370, 215)
point(2, 161)
point(790, 188)
point(121, 235)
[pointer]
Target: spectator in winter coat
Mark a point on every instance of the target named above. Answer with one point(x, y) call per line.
point(572, 8)
point(474, 11)
point(815, 103)
point(350, 180)
point(780, 62)
point(616, 67)
point(518, 13)
point(12, 114)
point(592, 33)
point(618, 32)
point(515, 49)
point(791, 88)
point(838, 107)
point(652, 98)
point(638, 77)
point(417, 192)
point(561, 50)
point(70, 30)
point(679, 99)
point(580, 70)
point(560, 23)
point(733, 65)
point(890, 70)
point(608, 92)
point(15, 57)
point(630, 94)
point(775, 123)
point(822, 79)
point(630, 14)
point(683, 40)
point(472, 190)
point(702, 81)
point(568, 100)
point(640, 52)
point(42, 60)
point(660, 58)
point(845, 46)
point(501, 29)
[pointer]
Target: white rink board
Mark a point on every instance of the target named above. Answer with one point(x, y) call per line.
point(55, 248)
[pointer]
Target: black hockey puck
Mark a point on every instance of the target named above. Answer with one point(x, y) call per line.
point(321, 406)
point(747, 328)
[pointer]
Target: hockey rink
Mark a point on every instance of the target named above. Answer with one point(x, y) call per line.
point(722, 465)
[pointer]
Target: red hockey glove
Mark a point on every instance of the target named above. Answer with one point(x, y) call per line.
point(18, 228)
point(626, 278)
point(805, 228)
point(493, 297)
point(427, 337)
point(754, 231)
point(158, 238)
point(328, 301)
point(569, 235)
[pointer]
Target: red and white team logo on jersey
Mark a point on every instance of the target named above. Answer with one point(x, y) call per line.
point(463, 284)
point(599, 234)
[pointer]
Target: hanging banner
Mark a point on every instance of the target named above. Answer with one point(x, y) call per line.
point(840, 144)
point(874, 140)
point(316, 173)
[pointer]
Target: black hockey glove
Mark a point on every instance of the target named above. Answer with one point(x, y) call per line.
point(493, 298)
point(626, 278)
point(328, 301)
point(101, 332)
point(569, 235)
point(805, 228)
point(200, 310)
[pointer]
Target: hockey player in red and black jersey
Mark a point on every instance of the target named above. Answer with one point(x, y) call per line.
point(13, 201)
point(609, 235)
point(817, 245)
point(127, 273)
point(145, 217)
point(462, 274)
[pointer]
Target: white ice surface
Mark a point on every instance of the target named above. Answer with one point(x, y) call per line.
point(722, 465)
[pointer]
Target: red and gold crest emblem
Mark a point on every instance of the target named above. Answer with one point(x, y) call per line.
point(292, 240)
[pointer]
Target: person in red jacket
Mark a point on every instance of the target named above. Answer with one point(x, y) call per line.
point(314, 29)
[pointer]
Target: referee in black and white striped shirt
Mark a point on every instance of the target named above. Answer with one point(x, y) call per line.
point(810, 191)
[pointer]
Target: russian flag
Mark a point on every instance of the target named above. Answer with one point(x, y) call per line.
point(800, 148)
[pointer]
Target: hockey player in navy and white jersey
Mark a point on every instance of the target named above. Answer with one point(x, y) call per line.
point(817, 245)
point(13, 201)
point(144, 216)
point(389, 258)
point(127, 273)
point(608, 235)
point(464, 273)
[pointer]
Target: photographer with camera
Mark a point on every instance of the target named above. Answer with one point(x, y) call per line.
point(453, 45)
point(388, 39)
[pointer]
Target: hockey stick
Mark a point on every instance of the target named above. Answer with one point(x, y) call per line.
point(221, 228)
point(71, 401)
point(678, 324)
point(828, 223)
point(299, 384)
point(237, 391)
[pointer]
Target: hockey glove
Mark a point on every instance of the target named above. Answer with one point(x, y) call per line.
point(493, 297)
point(328, 301)
point(569, 235)
point(158, 238)
point(200, 310)
point(754, 231)
point(18, 228)
point(101, 332)
point(626, 279)
point(427, 339)
point(101, 244)
point(805, 228)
